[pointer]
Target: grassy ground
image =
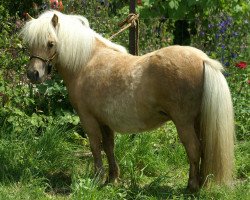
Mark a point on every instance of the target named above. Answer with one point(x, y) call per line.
point(54, 164)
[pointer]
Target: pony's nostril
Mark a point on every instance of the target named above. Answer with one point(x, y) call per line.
point(30, 75)
point(36, 75)
point(33, 75)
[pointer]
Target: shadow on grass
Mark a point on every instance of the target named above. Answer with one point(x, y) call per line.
point(167, 192)
point(160, 191)
point(59, 183)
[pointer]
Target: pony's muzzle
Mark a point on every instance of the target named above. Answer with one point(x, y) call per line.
point(33, 75)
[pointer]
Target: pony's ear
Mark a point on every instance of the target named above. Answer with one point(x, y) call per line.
point(54, 20)
point(28, 17)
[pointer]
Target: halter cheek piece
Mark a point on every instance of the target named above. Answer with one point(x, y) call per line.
point(47, 62)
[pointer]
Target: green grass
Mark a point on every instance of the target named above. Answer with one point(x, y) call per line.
point(48, 164)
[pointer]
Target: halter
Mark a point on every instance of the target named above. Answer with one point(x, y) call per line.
point(46, 61)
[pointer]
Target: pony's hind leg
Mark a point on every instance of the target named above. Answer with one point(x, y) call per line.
point(108, 147)
point(191, 143)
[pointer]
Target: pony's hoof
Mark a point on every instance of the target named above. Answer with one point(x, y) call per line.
point(193, 188)
point(113, 181)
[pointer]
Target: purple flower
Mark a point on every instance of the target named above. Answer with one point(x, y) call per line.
point(222, 31)
point(223, 23)
point(235, 34)
point(222, 59)
point(229, 20)
point(227, 64)
point(84, 2)
point(210, 25)
point(202, 33)
point(233, 55)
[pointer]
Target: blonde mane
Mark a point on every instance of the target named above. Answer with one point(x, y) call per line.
point(75, 39)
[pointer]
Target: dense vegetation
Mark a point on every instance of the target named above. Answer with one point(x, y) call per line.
point(44, 153)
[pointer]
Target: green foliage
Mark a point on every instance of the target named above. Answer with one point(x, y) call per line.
point(19, 6)
point(190, 9)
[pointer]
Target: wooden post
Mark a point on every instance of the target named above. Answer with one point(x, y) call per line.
point(133, 47)
point(133, 32)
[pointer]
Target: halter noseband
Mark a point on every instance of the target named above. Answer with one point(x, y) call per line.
point(46, 61)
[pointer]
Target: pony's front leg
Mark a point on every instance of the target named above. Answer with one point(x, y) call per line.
point(92, 129)
point(108, 147)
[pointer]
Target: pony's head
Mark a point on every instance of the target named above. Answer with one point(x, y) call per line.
point(50, 42)
point(43, 46)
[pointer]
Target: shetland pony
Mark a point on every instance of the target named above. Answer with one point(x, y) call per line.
point(112, 90)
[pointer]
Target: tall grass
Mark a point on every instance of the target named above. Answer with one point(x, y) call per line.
point(44, 154)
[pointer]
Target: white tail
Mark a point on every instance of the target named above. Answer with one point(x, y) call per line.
point(217, 126)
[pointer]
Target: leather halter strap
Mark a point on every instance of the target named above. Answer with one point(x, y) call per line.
point(46, 61)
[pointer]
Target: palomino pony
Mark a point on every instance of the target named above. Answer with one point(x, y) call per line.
point(112, 90)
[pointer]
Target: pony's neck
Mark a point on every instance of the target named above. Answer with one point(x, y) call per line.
point(110, 44)
point(70, 75)
point(66, 74)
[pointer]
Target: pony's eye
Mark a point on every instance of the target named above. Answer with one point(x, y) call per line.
point(50, 44)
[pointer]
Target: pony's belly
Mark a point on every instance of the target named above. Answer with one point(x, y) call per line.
point(133, 124)
point(136, 128)
point(127, 126)
point(124, 113)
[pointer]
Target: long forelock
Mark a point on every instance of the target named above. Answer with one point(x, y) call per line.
point(37, 32)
